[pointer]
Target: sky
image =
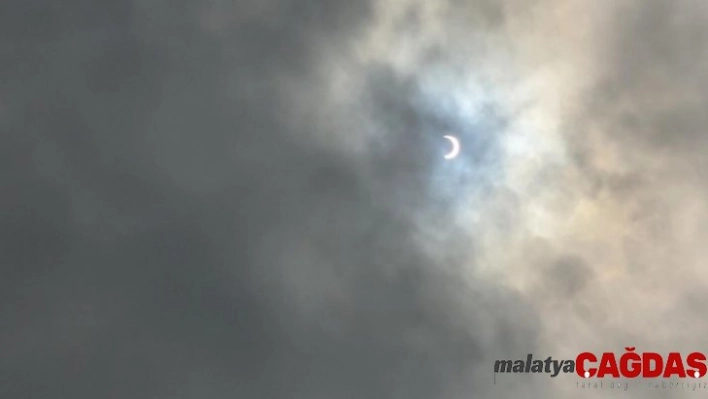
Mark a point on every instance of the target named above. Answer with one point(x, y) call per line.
point(249, 199)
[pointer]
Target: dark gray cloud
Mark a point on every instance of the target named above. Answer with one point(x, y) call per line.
point(167, 232)
point(571, 274)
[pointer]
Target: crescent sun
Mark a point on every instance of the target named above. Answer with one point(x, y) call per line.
point(455, 147)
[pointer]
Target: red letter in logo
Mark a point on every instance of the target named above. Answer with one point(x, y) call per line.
point(608, 365)
point(674, 365)
point(647, 371)
point(630, 364)
point(696, 361)
point(580, 365)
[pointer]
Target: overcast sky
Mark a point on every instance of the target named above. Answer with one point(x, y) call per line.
point(248, 199)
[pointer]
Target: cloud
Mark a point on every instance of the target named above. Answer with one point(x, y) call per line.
point(177, 229)
point(248, 199)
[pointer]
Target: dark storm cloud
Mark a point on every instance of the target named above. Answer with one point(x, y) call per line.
point(166, 233)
